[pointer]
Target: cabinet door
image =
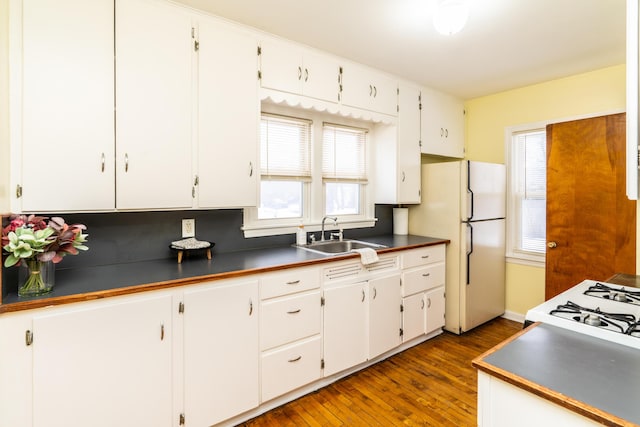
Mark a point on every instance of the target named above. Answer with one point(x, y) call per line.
point(106, 364)
point(364, 88)
point(229, 113)
point(281, 67)
point(221, 353)
point(385, 318)
point(442, 124)
point(413, 316)
point(16, 369)
point(67, 105)
point(153, 105)
point(320, 77)
point(345, 327)
point(435, 309)
point(408, 144)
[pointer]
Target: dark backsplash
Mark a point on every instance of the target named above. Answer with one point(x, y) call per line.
point(123, 237)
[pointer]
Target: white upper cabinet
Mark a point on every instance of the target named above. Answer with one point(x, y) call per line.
point(442, 124)
point(289, 68)
point(228, 116)
point(397, 152)
point(369, 89)
point(153, 105)
point(67, 105)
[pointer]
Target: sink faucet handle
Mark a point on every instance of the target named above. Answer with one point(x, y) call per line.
point(313, 238)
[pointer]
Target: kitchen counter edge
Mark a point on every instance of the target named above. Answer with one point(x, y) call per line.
point(539, 388)
point(91, 283)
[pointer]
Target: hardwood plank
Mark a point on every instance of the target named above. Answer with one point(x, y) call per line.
point(431, 384)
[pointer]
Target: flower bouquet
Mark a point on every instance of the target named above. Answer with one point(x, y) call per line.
point(37, 242)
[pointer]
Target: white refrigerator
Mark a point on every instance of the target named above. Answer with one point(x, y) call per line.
point(465, 202)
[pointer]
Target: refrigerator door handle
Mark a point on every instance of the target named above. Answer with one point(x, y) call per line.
point(469, 190)
point(469, 252)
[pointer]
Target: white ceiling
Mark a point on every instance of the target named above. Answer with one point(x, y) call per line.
point(506, 43)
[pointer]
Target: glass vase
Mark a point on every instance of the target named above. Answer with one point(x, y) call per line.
point(35, 277)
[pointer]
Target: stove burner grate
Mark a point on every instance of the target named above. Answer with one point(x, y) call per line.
point(619, 322)
point(624, 295)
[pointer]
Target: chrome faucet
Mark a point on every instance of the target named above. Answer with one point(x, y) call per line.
point(335, 221)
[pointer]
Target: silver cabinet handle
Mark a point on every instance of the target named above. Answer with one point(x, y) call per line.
point(426, 274)
point(299, 73)
point(422, 306)
point(375, 91)
point(162, 332)
point(250, 168)
point(446, 133)
point(306, 74)
point(293, 282)
point(404, 176)
point(425, 256)
point(102, 160)
point(370, 90)
point(375, 293)
point(250, 307)
point(295, 359)
point(428, 302)
point(362, 295)
point(294, 311)
point(126, 162)
point(441, 131)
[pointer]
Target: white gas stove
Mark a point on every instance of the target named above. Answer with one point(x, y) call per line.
point(600, 309)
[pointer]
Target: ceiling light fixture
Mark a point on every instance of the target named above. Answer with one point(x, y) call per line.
point(450, 16)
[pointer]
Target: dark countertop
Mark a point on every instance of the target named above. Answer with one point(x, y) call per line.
point(81, 284)
point(590, 376)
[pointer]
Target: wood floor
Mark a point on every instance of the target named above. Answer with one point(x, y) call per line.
point(432, 384)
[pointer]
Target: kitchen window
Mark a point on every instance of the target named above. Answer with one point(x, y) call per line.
point(312, 164)
point(344, 169)
point(285, 166)
point(527, 196)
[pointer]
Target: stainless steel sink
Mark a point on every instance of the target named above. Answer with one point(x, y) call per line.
point(336, 247)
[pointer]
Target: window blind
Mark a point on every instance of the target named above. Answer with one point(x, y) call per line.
point(531, 148)
point(344, 153)
point(285, 147)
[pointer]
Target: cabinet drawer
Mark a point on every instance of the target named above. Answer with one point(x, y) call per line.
point(288, 368)
point(289, 281)
point(423, 278)
point(423, 256)
point(287, 319)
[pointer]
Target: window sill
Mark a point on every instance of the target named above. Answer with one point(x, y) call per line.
point(529, 261)
point(255, 230)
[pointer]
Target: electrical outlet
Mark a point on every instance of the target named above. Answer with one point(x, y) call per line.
point(188, 227)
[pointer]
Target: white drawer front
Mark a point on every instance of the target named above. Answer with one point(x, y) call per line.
point(423, 278)
point(289, 281)
point(290, 367)
point(423, 256)
point(287, 319)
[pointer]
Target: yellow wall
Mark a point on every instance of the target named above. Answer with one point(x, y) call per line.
point(4, 106)
point(601, 91)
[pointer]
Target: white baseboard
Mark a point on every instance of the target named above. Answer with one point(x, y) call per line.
point(512, 315)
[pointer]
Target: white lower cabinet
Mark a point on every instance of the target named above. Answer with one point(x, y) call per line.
point(501, 404)
point(212, 353)
point(345, 327)
point(414, 319)
point(423, 291)
point(385, 318)
point(104, 364)
point(291, 366)
point(221, 353)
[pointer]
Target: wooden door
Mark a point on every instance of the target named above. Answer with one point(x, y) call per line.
point(591, 225)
